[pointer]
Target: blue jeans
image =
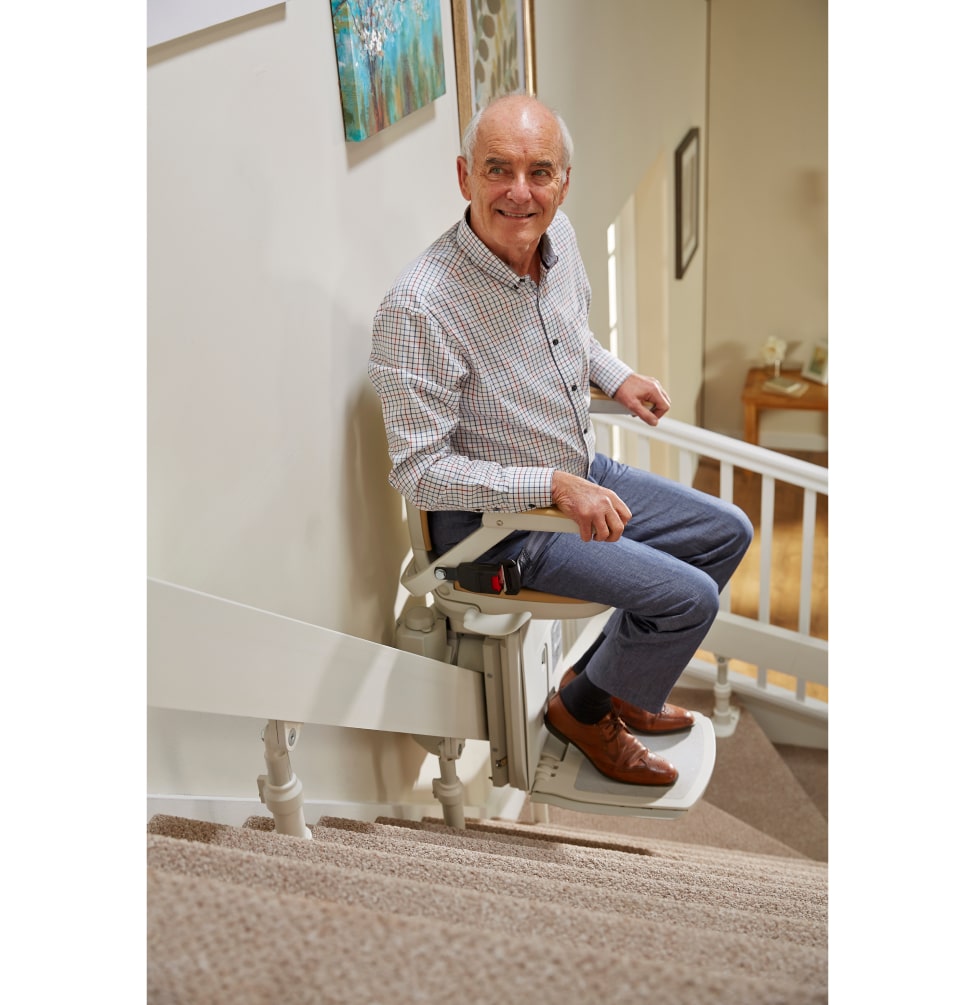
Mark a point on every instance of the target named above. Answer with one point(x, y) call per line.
point(663, 577)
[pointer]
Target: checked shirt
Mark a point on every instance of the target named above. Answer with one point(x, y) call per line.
point(484, 375)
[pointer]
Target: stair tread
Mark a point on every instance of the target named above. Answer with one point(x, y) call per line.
point(557, 861)
point(614, 932)
point(660, 888)
point(536, 835)
point(354, 873)
point(207, 943)
point(704, 826)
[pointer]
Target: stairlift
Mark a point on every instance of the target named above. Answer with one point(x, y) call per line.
point(514, 641)
point(468, 665)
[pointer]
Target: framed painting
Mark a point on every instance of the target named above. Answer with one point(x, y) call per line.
point(169, 19)
point(494, 52)
point(390, 56)
point(686, 183)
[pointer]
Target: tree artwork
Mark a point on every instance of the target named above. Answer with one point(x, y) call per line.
point(390, 56)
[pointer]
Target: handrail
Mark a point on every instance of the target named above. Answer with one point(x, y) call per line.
point(754, 641)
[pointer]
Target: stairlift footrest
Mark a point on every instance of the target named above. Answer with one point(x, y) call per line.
point(566, 778)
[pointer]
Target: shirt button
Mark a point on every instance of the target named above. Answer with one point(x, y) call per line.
point(555, 341)
point(573, 388)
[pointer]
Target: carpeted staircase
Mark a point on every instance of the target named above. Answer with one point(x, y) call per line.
point(726, 905)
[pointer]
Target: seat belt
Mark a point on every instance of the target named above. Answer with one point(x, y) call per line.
point(484, 577)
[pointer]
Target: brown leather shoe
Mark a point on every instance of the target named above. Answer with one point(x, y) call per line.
point(671, 718)
point(610, 747)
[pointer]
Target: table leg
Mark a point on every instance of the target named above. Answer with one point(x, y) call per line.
point(751, 416)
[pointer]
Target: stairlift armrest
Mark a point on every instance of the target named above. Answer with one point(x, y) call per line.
point(494, 528)
point(546, 518)
point(602, 402)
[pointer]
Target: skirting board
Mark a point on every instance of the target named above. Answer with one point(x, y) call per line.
point(504, 804)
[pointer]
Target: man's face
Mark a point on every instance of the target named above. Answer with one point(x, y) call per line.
point(515, 184)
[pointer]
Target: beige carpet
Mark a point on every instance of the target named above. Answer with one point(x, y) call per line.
point(726, 905)
point(380, 912)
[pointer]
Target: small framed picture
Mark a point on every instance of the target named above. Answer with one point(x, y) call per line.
point(686, 201)
point(815, 368)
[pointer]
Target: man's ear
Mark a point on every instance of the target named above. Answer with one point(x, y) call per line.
point(462, 171)
point(565, 190)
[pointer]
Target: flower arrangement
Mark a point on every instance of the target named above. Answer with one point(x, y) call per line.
point(773, 353)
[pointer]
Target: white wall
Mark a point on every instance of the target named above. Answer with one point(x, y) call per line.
point(629, 77)
point(767, 202)
point(271, 241)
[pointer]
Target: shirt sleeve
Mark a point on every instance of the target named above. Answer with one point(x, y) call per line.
point(606, 370)
point(418, 374)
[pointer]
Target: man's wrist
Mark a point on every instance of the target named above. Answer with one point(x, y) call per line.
point(560, 483)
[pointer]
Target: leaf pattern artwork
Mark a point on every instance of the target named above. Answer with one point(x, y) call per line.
point(496, 59)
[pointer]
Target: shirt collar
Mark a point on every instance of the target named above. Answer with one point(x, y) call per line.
point(489, 262)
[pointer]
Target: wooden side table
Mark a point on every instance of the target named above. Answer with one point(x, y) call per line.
point(756, 400)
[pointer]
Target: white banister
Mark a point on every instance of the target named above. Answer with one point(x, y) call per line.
point(806, 560)
point(768, 499)
point(753, 641)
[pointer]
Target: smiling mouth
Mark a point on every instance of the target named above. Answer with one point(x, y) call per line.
point(516, 216)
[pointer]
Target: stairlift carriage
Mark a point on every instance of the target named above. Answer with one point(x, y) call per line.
point(514, 641)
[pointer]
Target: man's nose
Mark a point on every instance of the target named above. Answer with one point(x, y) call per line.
point(519, 190)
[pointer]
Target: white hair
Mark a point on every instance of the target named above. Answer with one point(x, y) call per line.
point(470, 137)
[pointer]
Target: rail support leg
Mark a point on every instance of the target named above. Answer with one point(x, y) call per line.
point(448, 789)
point(280, 790)
point(540, 813)
point(726, 715)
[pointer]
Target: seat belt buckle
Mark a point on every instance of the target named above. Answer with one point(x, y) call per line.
point(485, 577)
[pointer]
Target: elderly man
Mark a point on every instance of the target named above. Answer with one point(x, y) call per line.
point(483, 358)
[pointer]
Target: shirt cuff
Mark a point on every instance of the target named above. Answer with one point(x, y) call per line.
point(532, 488)
point(609, 373)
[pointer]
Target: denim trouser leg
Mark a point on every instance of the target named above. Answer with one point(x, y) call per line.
point(663, 577)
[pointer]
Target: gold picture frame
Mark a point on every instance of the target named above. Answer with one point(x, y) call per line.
point(494, 52)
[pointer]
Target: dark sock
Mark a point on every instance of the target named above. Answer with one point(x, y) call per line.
point(584, 701)
point(580, 665)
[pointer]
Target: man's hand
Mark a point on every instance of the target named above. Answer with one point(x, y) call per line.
point(643, 397)
point(599, 513)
